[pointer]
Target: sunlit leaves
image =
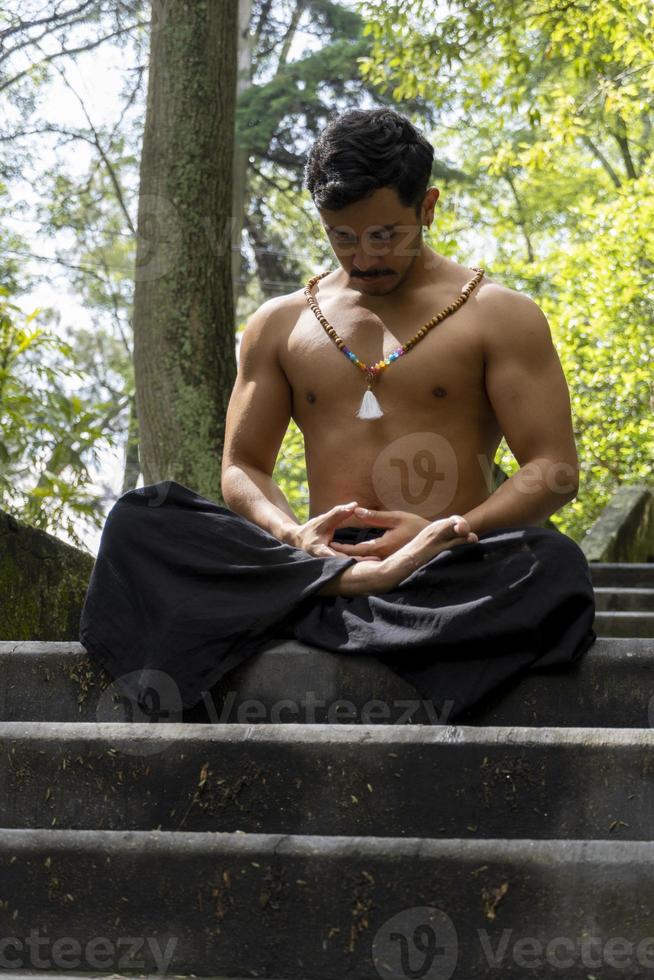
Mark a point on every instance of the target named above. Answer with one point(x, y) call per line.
point(552, 105)
point(49, 434)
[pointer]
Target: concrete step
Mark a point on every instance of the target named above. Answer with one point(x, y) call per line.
point(624, 624)
point(612, 685)
point(317, 851)
point(634, 575)
point(624, 600)
point(326, 907)
point(25, 955)
point(339, 780)
point(88, 975)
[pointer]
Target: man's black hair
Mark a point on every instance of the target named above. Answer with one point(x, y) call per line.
point(365, 149)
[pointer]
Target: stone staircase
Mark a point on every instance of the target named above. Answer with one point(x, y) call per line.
point(348, 843)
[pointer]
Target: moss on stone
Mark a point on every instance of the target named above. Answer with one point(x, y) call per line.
point(43, 583)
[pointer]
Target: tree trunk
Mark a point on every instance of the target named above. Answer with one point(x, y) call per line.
point(184, 350)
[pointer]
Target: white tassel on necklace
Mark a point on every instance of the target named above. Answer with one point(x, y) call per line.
point(370, 407)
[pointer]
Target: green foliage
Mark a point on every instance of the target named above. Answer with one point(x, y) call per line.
point(540, 114)
point(602, 312)
point(278, 116)
point(290, 472)
point(49, 434)
point(548, 111)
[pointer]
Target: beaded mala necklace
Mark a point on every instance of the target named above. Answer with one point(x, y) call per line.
point(370, 407)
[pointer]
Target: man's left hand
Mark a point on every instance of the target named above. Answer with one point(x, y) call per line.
point(401, 525)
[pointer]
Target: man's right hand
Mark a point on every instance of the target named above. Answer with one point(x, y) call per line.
point(314, 536)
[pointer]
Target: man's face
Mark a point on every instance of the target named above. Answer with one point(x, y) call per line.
point(378, 239)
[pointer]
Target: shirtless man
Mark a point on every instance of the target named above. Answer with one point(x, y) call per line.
point(422, 470)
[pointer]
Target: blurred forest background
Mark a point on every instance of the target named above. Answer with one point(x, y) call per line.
point(542, 118)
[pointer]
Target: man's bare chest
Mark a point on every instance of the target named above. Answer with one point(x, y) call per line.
point(443, 373)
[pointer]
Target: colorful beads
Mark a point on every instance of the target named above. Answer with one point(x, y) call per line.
point(373, 370)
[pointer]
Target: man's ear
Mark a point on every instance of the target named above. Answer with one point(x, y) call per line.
point(428, 205)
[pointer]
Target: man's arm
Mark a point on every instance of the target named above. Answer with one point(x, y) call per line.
point(257, 417)
point(526, 386)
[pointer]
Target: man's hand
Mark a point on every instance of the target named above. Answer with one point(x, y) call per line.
point(315, 535)
point(369, 577)
point(402, 527)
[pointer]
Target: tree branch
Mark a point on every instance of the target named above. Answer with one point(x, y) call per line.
point(69, 51)
point(129, 102)
point(57, 261)
point(290, 34)
point(621, 139)
point(98, 145)
point(5, 55)
point(116, 308)
point(264, 14)
point(646, 146)
point(25, 25)
point(521, 216)
point(595, 150)
point(268, 180)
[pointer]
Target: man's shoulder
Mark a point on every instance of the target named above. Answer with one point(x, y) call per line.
point(268, 324)
point(492, 297)
point(511, 322)
point(503, 302)
point(277, 309)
